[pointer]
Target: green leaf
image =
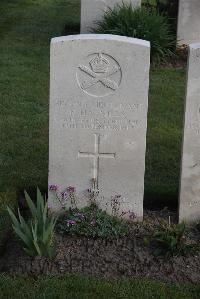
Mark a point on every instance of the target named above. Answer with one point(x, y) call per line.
point(12, 216)
point(31, 205)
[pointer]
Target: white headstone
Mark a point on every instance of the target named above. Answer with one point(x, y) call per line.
point(98, 119)
point(188, 22)
point(190, 178)
point(93, 10)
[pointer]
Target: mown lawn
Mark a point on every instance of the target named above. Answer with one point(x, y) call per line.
point(78, 287)
point(26, 27)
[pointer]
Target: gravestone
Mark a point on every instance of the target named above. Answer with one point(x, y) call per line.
point(188, 22)
point(98, 120)
point(93, 10)
point(189, 202)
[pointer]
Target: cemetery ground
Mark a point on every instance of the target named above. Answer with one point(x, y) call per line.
point(26, 28)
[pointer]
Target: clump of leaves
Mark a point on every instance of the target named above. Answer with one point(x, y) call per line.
point(170, 240)
point(140, 23)
point(91, 222)
point(36, 233)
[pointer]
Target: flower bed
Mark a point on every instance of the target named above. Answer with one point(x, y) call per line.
point(127, 256)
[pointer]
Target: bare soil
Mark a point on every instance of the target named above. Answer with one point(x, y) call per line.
point(126, 257)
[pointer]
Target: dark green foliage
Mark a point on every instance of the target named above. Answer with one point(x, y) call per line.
point(72, 27)
point(91, 222)
point(171, 240)
point(5, 223)
point(82, 287)
point(166, 7)
point(140, 23)
point(37, 233)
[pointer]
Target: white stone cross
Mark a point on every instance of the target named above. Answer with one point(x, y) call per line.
point(96, 155)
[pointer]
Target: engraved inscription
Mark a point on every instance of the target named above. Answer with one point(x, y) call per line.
point(194, 203)
point(101, 115)
point(99, 75)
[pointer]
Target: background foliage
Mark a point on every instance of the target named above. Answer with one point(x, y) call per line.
point(166, 7)
point(6, 198)
point(140, 23)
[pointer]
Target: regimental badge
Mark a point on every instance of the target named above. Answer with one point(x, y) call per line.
point(100, 76)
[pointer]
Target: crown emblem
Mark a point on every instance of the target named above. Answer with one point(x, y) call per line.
point(99, 64)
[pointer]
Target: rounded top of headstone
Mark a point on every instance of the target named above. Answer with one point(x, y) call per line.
point(194, 46)
point(109, 37)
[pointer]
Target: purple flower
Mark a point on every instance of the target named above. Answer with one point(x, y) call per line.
point(53, 187)
point(132, 215)
point(71, 189)
point(79, 215)
point(64, 195)
point(71, 222)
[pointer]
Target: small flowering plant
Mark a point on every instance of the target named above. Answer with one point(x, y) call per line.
point(115, 207)
point(68, 195)
point(91, 222)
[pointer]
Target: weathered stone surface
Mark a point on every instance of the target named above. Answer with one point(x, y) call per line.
point(190, 177)
point(189, 21)
point(93, 10)
point(98, 119)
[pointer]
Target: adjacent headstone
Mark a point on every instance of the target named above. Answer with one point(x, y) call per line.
point(190, 178)
point(93, 10)
point(188, 22)
point(98, 120)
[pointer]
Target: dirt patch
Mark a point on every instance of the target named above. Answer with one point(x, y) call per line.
point(127, 257)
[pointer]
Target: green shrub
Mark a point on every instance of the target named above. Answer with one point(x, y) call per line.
point(167, 7)
point(72, 27)
point(6, 198)
point(140, 23)
point(171, 240)
point(91, 222)
point(37, 233)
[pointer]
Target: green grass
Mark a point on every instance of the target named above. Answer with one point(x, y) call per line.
point(78, 287)
point(25, 30)
point(164, 138)
point(26, 27)
point(6, 199)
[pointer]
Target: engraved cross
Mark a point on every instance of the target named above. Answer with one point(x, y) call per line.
point(96, 155)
